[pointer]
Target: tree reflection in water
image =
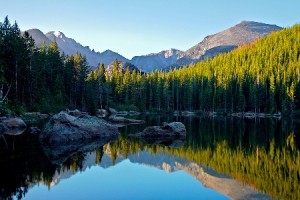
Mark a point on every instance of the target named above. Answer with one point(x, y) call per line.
point(262, 153)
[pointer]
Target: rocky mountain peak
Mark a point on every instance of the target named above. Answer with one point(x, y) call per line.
point(212, 45)
point(225, 41)
point(69, 46)
point(59, 34)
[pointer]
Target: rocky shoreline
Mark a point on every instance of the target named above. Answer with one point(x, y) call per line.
point(72, 131)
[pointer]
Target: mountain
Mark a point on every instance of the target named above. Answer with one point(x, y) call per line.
point(227, 40)
point(212, 45)
point(154, 61)
point(122, 67)
point(39, 37)
point(69, 46)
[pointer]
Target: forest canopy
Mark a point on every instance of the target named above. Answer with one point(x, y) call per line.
point(262, 76)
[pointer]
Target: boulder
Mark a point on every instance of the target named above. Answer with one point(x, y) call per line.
point(112, 111)
point(75, 113)
point(65, 135)
point(63, 128)
point(167, 130)
point(101, 113)
point(13, 126)
point(35, 118)
point(34, 130)
point(36, 115)
point(170, 134)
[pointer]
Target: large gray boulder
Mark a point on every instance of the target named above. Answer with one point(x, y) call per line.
point(63, 128)
point(171, 134)
point(65, 135)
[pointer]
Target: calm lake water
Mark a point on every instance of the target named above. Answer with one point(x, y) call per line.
point(222, 158)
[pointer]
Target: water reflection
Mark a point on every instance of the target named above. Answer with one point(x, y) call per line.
point(263, 154)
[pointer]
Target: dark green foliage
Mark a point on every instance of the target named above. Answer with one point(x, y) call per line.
point(39, 79)
point(263, 76)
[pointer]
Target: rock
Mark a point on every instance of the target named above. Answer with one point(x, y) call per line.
point(64, 135)
point(34, 130)
point(36, 115)
point(65, 129)
point(13, 126)
point(112, 111)
point(122, 121)
point(101, 113)
point(173, 129)
point(31, 118)
point(3, 118)
point(43, 116)
point(177, 128)
point(168, 134)
point(14, 123)
point(3, 128)
point(75, 113)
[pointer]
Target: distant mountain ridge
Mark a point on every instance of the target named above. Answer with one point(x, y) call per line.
point(210, 46)
point(122, 66)
point(69, 46)
point(224, 41)
point(154, 61)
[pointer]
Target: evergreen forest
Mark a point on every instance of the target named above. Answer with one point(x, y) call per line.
point(260, 77)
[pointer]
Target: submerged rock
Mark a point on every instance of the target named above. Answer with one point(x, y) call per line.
point(170, 134)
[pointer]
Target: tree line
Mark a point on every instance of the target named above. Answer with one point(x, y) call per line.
point(262, 76)
point(38, 79)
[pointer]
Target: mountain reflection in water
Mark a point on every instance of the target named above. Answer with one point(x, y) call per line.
point(261, 157)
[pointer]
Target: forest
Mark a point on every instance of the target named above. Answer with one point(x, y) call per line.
point(260, 77)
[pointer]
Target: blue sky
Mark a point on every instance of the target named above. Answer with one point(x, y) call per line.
point(138, 27)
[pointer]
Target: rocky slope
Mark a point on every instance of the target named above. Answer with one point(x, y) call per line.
point(212, 45)
point(39, 37)
point(69, 46)
point(122, 67)
point(154, 61)
point(227, 40)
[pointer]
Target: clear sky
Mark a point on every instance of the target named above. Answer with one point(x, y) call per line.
point(139, 27)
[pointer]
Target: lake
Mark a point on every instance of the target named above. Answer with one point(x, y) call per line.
point(222, 158)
